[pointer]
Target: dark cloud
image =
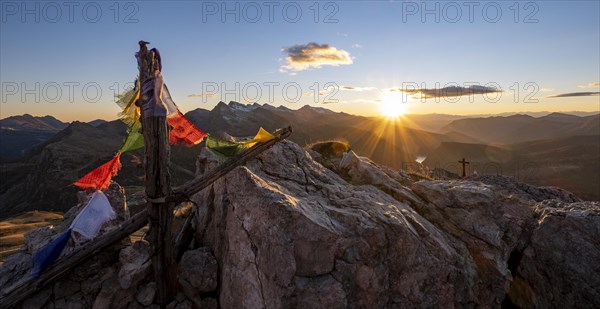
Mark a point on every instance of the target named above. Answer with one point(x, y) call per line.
point(575, 94)
point(451, 91)
point(313, 55)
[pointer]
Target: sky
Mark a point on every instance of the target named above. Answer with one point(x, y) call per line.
point(70, 59)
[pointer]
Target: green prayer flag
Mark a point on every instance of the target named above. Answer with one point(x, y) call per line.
point(134, 140)
point(223, 147)
point(229, 149)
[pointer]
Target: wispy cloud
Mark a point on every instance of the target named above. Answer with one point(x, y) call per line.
point(575, 94)
point(357, 45)
point(451, 91)
point(590, 85)
point(350, 88)
point(203, 95)
point(313, 56)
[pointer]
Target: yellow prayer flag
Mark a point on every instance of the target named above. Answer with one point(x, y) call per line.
point(260, 137)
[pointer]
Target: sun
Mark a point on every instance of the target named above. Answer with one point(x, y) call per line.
point(391, 106)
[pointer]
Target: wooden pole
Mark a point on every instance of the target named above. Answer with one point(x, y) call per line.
point(158, 185)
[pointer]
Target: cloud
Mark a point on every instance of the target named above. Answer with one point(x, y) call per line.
point(313, 56)
point(451, 91)
point(590, 85)
point(203, 95)
point(350, 88)
point(574, 94)
point(357, 45)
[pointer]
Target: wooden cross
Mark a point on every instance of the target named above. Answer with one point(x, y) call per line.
point(463, 166)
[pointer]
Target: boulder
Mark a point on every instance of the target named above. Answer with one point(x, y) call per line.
point(146, 294)
point(559, 267)
point(197, 273)
point(135, 264)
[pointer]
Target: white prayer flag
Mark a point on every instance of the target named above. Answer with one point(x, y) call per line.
point(89, 221)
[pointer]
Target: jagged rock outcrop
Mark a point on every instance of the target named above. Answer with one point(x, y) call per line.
point(288, 232)
point(559, 266)
point(285, 231)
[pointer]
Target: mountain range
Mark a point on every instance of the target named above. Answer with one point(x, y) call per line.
point(42, 156)
point(20, 133)
point(521, 128)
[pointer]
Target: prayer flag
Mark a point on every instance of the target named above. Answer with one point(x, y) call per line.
point(131, 112)
point(260, 137)
point(97, 211)
point(135, 139)
point(183, 130)
point(228, 149)
point(161, 104)
point(222, 147)
point(100, 177)
point(49, 253)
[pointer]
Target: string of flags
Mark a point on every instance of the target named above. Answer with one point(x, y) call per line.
point(98, 210)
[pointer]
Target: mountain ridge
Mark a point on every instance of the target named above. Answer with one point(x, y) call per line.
point(44, 174)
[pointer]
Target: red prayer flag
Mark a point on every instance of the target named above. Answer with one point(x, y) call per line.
point(101, 176)
point(183, 130)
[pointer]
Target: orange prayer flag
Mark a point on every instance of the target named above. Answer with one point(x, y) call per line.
point(101, 176)
point(183, 130)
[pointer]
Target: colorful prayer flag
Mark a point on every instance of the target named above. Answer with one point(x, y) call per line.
point(161, 104)
point(260, 137)
point(87, 223)
point(131, 112)
point(49, 253)
point(135, 139)
point(222, 147)
point(97, 211)
point(100, 177)
point(183, 130)
point(228, 149)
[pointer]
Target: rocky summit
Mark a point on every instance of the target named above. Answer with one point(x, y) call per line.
point(297, 228)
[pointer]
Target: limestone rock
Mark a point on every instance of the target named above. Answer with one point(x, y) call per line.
point(289, 232)
point(146, 295)
point(197, 271)
point(285, 217)
point(559, 268)
point(38, 300)
point(135, 264)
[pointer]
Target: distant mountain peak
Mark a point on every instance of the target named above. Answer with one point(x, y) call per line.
point(320, 110)
point(560, 115)
point(27, 122)
point(243, 107)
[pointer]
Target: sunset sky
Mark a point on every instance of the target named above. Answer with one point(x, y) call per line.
point(372, 52)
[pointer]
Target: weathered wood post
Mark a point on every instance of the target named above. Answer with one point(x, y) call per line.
point(158, 185)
